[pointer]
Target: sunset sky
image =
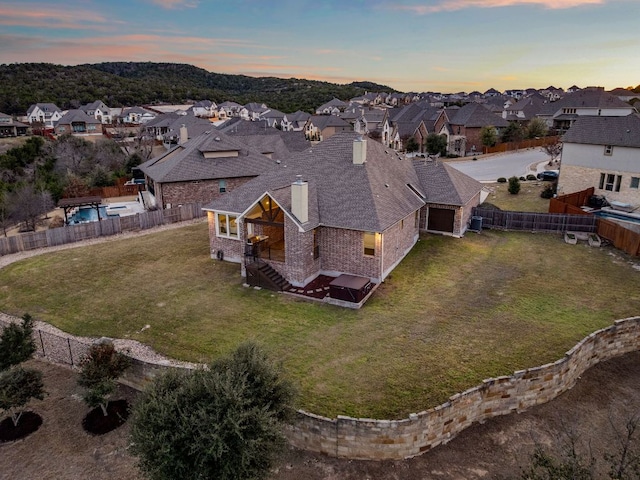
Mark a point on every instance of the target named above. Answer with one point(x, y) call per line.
point(410, 45)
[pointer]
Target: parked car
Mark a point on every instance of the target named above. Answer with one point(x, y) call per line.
point(548, 175)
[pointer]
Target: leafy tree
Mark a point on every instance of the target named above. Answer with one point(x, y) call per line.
point(17, 387)
point(488, 135)
point(223, 422)
point(412, 145)
point(513, 133)
point(436, 144)
point(99, 372)
point(537, 128)
point(16, 343)
point(514, 185)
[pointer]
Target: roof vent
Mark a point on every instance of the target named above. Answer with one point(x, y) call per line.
point(217, 139)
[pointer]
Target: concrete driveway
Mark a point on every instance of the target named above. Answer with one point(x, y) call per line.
point(491, 167)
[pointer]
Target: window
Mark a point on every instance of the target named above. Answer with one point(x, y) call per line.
point(610, 182)
point(635, 182)
point(369, 243)
point(222, 186)
point(227, 226)
point(608, 149)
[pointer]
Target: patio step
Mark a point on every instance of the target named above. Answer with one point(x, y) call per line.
point(275, 281)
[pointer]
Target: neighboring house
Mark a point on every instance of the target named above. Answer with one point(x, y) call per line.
point(136, 116)
point(10, 127)
point(322, 127)
point(590, 101)
point(525, 109)
point(604, 153)
point(346, 206)
point(77, 122)
point(45, 113)
point(201, 169)
point(297, 120)
point(205, 109)
point(625, 95)
point(274, 118)
point(332, 107)
point(99, 111)
point(232, 109)
point(468, 121)
point(370, 120)
point(271, 142)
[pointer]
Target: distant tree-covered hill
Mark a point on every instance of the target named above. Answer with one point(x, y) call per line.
point(120, 84)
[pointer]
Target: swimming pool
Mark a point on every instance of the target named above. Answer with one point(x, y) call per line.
point(87, 214)
point(617, 215)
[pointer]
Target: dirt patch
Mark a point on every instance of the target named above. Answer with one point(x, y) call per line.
point(608, 393)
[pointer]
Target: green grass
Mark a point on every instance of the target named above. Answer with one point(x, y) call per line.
point(454, 312)
point(527, 200)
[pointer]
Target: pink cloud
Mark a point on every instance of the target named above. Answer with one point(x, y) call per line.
point(175, 4)
point(46, 16)
point(453, 5)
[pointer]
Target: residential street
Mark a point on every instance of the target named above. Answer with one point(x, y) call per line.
point(490, 168)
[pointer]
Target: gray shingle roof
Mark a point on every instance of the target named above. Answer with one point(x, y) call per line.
point(369, 197)
point(444, 184)
point(188, 163)
point(76, 116)
point(262, 138)
point(476, 115)
point(586, 98)
point(323, 121)
point(617, 131)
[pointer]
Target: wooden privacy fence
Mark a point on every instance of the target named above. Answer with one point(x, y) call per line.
point(535, 222)
point(106, 227)
point(621, 237)
point(528, 143)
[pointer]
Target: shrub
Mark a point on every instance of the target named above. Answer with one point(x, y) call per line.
point(514, 185)
point(549, 190)
point(223, 422)
point(16, 343)
point(502, 180)
point(99, 371)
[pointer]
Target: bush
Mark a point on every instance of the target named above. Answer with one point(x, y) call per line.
point(99, 372)
point(549, 190)
point(223, 422)
point(16, 343)
point(514, 185)
point(531, 177)
point(502, 180)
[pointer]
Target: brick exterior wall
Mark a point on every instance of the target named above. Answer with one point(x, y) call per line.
point(397, 241)
point(233, 250)
point(204, 191)
point(342, 251)
point(576, 178)
point(397, 439)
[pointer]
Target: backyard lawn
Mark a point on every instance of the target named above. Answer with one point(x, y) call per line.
point(456, 311)
point(527, 200)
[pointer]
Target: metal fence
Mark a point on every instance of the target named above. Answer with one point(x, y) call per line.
point(106, 227)
point(56, 348)
point(535, 222)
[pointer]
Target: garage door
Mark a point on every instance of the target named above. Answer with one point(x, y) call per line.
point(441, 219)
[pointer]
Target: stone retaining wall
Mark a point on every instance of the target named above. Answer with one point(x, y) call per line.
point(359, 438)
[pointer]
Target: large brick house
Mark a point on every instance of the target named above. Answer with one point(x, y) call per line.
point(604, 153)
point(201, 169)
point(345, 206)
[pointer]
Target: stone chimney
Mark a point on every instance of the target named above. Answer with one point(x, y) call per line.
point(359, 151)
point(184, 135)
point(300, 199)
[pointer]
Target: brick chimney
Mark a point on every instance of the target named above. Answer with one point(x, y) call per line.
point(184, 135)
point(300, 199)
point(359, 151)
